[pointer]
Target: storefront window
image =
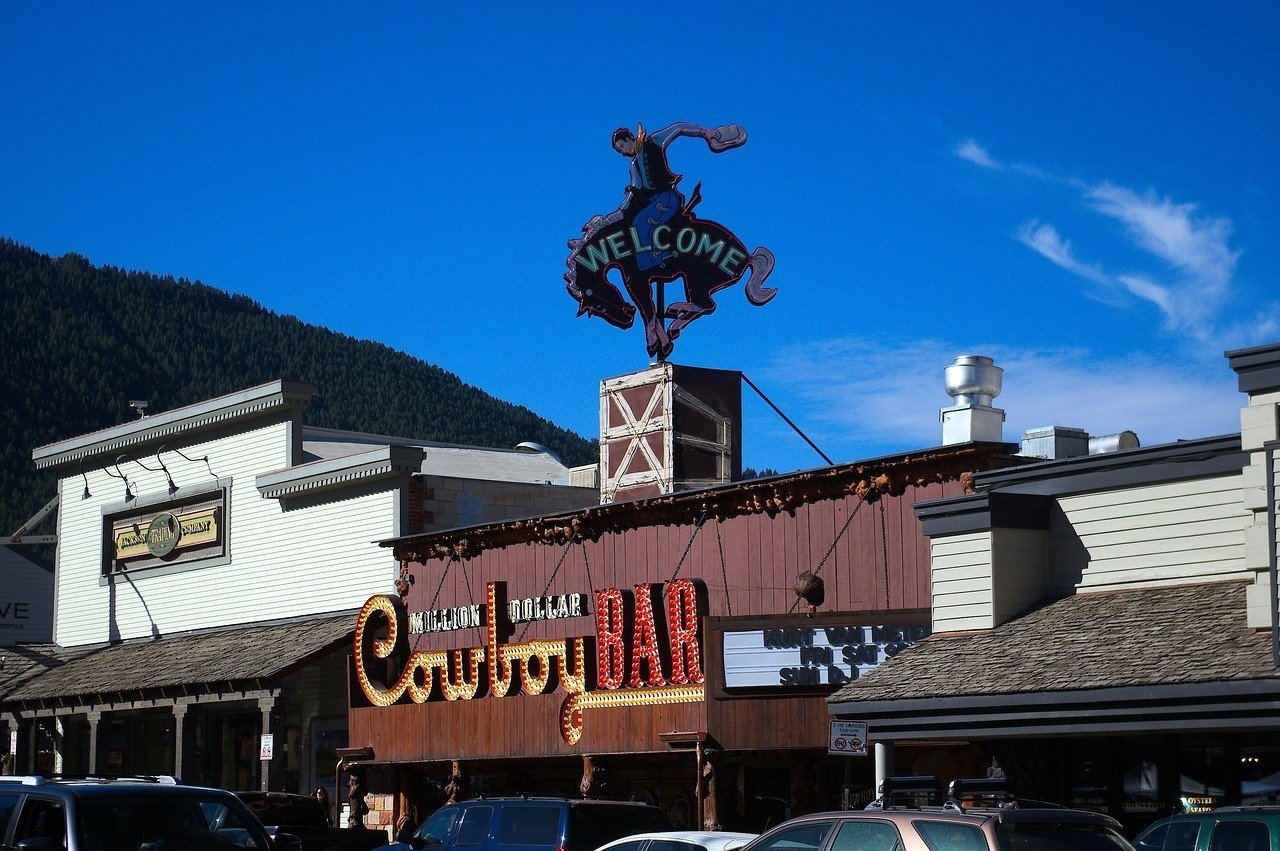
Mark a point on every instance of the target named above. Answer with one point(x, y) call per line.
point(1203, 773)
point(239, 751)
point(1141, 780)
point(1259, 769)
point(1090, 772)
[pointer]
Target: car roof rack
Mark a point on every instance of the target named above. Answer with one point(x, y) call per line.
point(988, 790)
point(895, 791)
point(24, 779)
point(160, 779)
point(965, 794)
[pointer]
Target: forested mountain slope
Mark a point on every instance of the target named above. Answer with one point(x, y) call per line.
point(78, 341)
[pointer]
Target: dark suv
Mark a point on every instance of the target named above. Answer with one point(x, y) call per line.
point(534, 824)
point(125, 814)
point(976, 815)
point(1225, 829)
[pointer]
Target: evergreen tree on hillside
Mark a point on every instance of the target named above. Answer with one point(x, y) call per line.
point(79, 341)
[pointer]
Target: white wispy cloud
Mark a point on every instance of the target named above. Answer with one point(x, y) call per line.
point(970, 150)
point(887, 396)
point(1045, 240)
point(1194, 278)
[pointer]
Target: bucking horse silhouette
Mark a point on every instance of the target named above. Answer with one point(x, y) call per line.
point(654, 237)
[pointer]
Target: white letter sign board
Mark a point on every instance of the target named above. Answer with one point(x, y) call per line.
point(267, 748)
point(848, 738)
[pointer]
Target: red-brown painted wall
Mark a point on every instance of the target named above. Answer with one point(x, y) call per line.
point(881, 564)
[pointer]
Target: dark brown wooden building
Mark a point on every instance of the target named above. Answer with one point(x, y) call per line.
point(656, 649)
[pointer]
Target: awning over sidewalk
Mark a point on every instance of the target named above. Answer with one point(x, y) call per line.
point(237, 657)
point(1152, 659)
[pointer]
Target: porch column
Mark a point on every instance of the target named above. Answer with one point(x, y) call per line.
point(58, 733)
point(93, 717)
point(884, 762)
point(33, 734)
point(182, 743)
point(272, 771)
point(8, 761)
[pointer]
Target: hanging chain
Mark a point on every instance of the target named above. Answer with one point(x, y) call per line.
point(587, 563)
point(702, 518)
point(552, 578)
point(831, 549)
point(884, 543)
point(443, 574)
point(724, 571)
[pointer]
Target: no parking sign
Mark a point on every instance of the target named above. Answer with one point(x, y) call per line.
point(848, 738)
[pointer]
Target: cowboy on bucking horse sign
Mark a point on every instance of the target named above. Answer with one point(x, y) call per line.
point(655, 237)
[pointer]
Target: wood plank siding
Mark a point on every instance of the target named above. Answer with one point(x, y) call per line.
point(881, 564)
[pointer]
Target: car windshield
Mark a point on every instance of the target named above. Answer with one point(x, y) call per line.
point(1059, 836)
point(160, 822)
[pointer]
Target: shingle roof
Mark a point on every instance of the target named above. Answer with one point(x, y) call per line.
point(21, 662)
point(227, 655)
point(1151, 636)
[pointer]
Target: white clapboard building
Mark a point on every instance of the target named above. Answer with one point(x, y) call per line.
point(208, 563)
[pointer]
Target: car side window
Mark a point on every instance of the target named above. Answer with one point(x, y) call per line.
point(806, 836)
point(7, 804)
point(531, 824)
point(437, 829)
point(672, 845)
point(42, 818)
point(634, 845)
point(868, 835)
point(1240, 835)
point(1182, 836)
point(951, 836)
point(1152, 840)
point(474, 827)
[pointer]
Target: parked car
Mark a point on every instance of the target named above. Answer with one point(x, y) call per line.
point(681, 840)
point(975, 816)
point(127, 814)
point(305, 818)
point(1224, 829)
point(534, 824)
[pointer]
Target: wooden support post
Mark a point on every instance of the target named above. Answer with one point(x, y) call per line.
point(697, 784)
point(594, 777)
point(266, 705)
point(94, 717)
point(709, 806)
point(357, 808)
point(181, 739)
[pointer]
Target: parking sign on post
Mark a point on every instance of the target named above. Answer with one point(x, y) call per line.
point(848, 738)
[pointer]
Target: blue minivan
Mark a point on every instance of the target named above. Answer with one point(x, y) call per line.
point(533, 824)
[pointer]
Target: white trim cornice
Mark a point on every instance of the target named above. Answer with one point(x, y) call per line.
point(378, 463)
point(243, 404)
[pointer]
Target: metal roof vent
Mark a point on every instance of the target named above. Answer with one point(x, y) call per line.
point(1107, 443)
point(1055, 442)
point(973, 381)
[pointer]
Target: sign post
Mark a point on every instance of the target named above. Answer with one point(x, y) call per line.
point(267, 747)
point(848, 738)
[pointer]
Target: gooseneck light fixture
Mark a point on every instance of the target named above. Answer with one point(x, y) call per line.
point(173, 488)
point(86, 493)
point(184, 456)
point(128, 488)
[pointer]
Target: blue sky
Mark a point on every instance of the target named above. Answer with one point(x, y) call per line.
point(1088, 192)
